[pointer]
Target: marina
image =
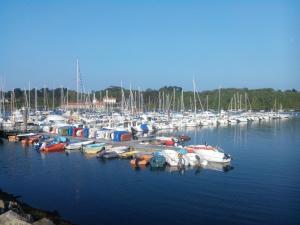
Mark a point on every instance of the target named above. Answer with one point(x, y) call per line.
point(93, 147)
point(149, 112)
point(104, 186)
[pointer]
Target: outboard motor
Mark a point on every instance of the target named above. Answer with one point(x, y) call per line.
point(181, 162)
point(198, 159)
point(134, 132)
point(227, 156)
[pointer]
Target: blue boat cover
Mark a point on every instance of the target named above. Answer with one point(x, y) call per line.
point(86, 132)
point(157, 161)
point(117, 135)
point(144, 127)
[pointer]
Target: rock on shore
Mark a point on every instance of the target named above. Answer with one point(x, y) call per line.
point(13, 211)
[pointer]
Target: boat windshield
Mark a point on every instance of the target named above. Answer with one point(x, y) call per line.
point(220, 149)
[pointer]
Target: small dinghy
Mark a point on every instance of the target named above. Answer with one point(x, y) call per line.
point(129, 154)
point(141, 160)
point(78, 145)
point(54, 147)
point(117, 149)
point(30, 139)
point(94, 148)
point(106, 154)
point(110, 155)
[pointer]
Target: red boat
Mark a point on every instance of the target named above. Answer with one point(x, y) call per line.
point(54, 147)
point(34, 139)
point(184, 137)
point(25, 141)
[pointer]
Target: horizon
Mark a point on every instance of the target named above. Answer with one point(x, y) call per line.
point(150, 45)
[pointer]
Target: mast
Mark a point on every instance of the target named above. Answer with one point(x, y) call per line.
point(29, 95)
point(163, 101)
point(61, 96)
point(12, 101)
point(234, 97)
point(159, 102)
point(142, 102)
point(122, 98)
point(245, 101)
point(241, 96)
point(131, 100)
point(25, 98)
point(44, 97)
point(219, 100)
point(182, 102)
point(35, 99)
point(174, 99)
point(67, 99)
point(2, 97)
point(195, 105)
point(107, 102)
point(206, 102)
point(139, 101)
point(53, 99)
point(77, 84)
point(237, 101)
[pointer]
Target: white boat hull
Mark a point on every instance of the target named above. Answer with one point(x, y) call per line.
point(171, 157)
point(212, 156)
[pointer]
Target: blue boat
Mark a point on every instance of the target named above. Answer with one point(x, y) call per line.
point(158, 160)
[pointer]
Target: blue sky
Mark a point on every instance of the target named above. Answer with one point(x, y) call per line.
point(150, 44)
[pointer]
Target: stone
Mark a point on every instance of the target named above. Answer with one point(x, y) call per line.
point(10, 217)
point(12, 204)
point(43, 221)
point(2, 205)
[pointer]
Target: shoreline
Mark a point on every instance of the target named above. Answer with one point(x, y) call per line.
point(14, 210)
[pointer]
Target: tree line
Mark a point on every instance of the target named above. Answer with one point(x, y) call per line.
point(165, 98)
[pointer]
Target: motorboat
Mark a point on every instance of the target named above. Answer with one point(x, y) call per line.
point(171, 157)
point(209, 153)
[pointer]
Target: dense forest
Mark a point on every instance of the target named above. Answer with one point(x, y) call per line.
point(151, 99)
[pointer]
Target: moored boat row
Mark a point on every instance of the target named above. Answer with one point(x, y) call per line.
point(156, 152)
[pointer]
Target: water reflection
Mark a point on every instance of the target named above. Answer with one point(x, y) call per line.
point(240, 134)
point(220, 167)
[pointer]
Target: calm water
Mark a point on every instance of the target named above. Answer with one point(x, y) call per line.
point(262, 188)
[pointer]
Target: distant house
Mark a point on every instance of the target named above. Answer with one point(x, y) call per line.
point(95, 104)
point(108, 100)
